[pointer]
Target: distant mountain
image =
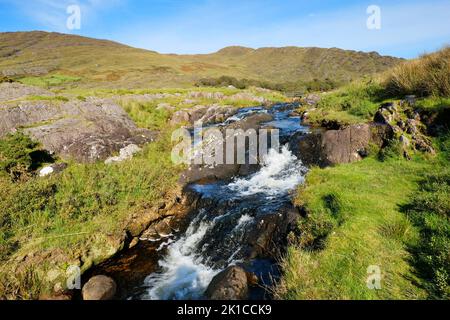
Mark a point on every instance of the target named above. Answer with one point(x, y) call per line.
point(110, 64)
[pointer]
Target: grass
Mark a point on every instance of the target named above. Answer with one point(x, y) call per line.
point(49, 81)
point(354, 103)
point(429, 210)
point(381, 211)
point(84, 210)
point(425, 76)
point(48, 98)
point(367, 228)
point(148, 115)
point(378, 212)
point(77, 211)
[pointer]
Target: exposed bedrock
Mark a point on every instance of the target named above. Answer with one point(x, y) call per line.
point(82, 131)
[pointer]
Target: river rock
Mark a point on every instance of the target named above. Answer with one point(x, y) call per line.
point(269, 236)
point(99, 288)
point(230, 284)
point(339, 146)
point(204, 114)
point(311, 99)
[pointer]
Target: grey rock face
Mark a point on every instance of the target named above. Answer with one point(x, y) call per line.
point(82, 131)
point(15, 91)
point(124, 154)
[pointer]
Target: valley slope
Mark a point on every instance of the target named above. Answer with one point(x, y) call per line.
point(101, 63)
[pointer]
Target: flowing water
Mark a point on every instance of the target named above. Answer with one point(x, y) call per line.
point(229, 220)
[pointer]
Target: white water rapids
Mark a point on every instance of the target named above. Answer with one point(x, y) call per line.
point(185, 273)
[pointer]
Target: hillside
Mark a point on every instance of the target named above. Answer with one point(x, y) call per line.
point(101, 63)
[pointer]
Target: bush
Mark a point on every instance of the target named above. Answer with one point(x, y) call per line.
point(302, 87)
point(429, 75)
point(20, 155)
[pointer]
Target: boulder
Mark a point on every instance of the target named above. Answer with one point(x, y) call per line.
point(230, 284)
point(181, 116)
point(99, 288)
point(339, 146)
point(389, 115)
point(386, 114)
point(269, 236)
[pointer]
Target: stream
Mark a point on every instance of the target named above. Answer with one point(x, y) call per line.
point(242, 221)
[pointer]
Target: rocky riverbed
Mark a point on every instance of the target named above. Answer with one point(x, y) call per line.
point(240, 215)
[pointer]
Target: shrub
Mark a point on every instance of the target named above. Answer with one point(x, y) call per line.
point(316, 85)
point(6, 79)
point(19, 155)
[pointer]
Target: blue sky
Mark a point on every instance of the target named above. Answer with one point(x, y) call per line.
point(408, 28)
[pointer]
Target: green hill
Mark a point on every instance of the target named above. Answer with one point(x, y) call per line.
point(101, 63)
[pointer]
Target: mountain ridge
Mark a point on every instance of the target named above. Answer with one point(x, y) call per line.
point(112, 64)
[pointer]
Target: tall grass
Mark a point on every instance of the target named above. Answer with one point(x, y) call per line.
point(428, 75)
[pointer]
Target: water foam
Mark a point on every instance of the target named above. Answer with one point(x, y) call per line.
point(184, 275)
point(281, 172)
point(185, 272)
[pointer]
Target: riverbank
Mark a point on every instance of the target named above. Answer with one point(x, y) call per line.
point(89, 212)
point(385, 218)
